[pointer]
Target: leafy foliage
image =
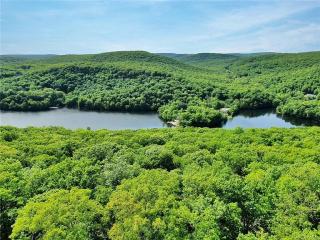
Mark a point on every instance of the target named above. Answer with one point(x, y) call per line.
point(184, 183)
point(61, 214)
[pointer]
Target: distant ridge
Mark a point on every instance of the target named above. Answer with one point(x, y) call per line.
point(109, 57)
point(204, 60)
point(211, 56)
point(25, 57)
point(209, 61)
point(29, 56)
point(198, 56)
point(253, 54)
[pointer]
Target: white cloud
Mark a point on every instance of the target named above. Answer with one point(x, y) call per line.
point(286, 38)
point(247, 18)
point(264, 27)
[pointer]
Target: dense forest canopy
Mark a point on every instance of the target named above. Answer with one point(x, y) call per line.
point(184, 183)
point(176, 85)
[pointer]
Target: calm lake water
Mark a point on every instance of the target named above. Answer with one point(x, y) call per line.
point(73, 119)
point(263, 118)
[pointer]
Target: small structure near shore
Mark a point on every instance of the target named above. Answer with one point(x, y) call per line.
point(310, 96)
point(174, 123)
point(224, 110)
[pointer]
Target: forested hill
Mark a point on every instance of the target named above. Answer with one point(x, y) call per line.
point(120, 56)
point(202, 57)
point(212, 60)
point(188, 87)
point(22, 58)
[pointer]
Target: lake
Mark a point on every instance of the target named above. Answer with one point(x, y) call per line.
point(262, 118)
point(73, 119)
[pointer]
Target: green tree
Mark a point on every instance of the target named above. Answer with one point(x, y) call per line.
point(61, 214)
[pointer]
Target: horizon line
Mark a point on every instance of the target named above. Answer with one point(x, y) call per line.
point(226, 53)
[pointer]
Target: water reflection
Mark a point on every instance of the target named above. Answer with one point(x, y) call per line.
point(264, 118)
point(73, 119)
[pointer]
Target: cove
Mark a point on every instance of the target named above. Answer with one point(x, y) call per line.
point(263, 118)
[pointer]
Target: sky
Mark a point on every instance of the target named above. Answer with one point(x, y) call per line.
point(177, 26)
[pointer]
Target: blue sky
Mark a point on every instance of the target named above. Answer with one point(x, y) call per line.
point(180, 26)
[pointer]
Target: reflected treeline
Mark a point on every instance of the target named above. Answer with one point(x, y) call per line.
point(250, 113)
point(299, 121)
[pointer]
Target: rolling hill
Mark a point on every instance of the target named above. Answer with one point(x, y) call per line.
point(179, 86)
